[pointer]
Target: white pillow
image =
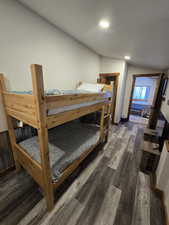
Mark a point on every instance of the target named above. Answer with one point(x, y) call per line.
point(94, 88)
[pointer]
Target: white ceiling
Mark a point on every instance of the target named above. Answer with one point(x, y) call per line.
point(139, 28)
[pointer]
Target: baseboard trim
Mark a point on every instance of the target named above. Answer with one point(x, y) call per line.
point(115, 123)
point(124, 120)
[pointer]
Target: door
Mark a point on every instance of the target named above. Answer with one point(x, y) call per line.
point(155, 109)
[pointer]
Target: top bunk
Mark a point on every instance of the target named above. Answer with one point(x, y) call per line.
point(53, 108)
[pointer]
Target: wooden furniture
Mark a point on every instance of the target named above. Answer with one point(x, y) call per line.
point(150, 157)
point(150, 132)
point(32, 110)
point(140, 109)
point(107, 78)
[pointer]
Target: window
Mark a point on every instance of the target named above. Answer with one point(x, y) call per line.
point(141, 93)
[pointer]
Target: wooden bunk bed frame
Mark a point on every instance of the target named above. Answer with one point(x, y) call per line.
point(32, 110)
point(106, 78)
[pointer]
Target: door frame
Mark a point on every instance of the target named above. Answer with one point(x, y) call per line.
point(103, 78)
point(133, 85)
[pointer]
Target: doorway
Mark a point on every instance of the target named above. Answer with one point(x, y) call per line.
point(144, 107)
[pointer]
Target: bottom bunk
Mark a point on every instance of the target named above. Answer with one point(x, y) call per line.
point(67, 143)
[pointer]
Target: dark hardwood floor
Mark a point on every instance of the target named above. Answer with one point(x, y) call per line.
point(110, 190)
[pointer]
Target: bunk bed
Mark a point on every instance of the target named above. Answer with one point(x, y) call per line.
point(59, 114)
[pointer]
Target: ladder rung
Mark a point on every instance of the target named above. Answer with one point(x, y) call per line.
point(106, 116)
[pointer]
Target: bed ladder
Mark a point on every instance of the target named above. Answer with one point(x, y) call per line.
point(105, 122)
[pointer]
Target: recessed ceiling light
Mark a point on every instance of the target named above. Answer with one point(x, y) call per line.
point(104, 24)
point(127, 57)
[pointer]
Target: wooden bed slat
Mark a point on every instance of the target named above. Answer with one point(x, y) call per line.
point(66, 100)
point(60, 118)
point(32, 166)
point(73, 166)
point(21, 107)
point(20, 102)
point(25, 117)
point(20, 97)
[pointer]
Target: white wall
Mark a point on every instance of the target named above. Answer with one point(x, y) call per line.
point(147, 81)
point(162, 177)
point(165, 106)
point(163, 167)
point(109, 65)
point(26, 38)
point(131, 71)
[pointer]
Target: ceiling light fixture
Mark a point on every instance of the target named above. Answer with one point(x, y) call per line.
point(104, 24)
point(127, 57)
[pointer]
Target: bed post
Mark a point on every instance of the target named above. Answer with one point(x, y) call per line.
point(39, 95)
point(9, 123)
point(102, 124)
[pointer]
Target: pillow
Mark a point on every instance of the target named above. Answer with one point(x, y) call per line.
point(70, 92)
point(52, 92)
point(94, 88)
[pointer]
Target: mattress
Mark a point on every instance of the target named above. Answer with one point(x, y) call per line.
point(57, 92)
point(73, 107)
point(67, 92)
point(66, 144)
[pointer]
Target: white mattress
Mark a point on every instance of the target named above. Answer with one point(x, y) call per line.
point(72, 107)
point(69, 107)
point(92, 88)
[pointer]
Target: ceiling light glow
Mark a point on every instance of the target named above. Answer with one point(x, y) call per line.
point(127, 57)
point(104, 24)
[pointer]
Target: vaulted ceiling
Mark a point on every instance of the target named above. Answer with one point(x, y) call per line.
point(139, 28)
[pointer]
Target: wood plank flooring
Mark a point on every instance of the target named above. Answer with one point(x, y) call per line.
point(111, 190)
